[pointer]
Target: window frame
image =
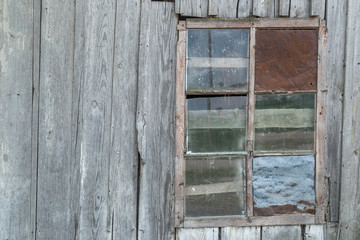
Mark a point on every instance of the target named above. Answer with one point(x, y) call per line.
point(180, 132)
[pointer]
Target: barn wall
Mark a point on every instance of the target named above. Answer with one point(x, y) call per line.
point(87, 103)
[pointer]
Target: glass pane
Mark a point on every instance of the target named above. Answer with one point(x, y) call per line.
point(215, 186)
point(285, 122)
point(283, 185)
point(217, 59)
point(216, 124)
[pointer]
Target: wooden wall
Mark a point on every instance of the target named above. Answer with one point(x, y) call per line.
point(87, 117)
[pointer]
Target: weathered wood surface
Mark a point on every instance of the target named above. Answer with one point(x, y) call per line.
point(17, 149)
point(336, 24)
point(349, 221)
point(156, 119)
point(264, 8)
point(318, 8)
point(197, 234)
point(314, 232)
point(57, 189)
point(284, 8)
point(331, 231)
point(227, 8)
point(243, 233)
point(300, 8)
point(282, 232)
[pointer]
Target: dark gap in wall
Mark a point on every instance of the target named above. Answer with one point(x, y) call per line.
point(237, 9)
point(303, 232)
point(138, 194)
point(325, 9)
point(163, 0)
point(219, 234)
point(261, 232)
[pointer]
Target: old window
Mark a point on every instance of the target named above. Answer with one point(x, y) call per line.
point(250, 122)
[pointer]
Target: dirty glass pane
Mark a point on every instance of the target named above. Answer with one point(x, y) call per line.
point(216, 124)
point(284, 122)
point(217, 59)
point(215, 186)
point(283, 185)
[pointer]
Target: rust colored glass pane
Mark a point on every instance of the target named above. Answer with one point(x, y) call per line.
point(283, 185)
point(286, 60)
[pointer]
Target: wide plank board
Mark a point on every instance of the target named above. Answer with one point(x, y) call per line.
point(300, 8)
point(243, 233)
point(282, 232)
point(314, 232)
point(264, 8)
point(198, 234)
point(228, 8)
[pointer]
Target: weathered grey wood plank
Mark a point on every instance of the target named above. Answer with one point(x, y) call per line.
point(186, 7)
point(284, 8)
point(330, 231)
point(349, 222)
point(300, 8)
point(336, 24)
point(198, 234)
point(55, 218)
point(227, 8)
point(17, 189)
point(155, 119)
point(244, 233)
point(124, 154)
point(95, 47)
point(314, 232)
point(318, 8)
point(282, 232)
point(213, 7)
point(244, 8)
point(177, 6)
point(264, 8)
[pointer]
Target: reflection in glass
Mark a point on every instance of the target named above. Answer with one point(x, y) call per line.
point(217, 59)
point(215, 186)
point(216, 124)
point(283, 185)
point(285, 122)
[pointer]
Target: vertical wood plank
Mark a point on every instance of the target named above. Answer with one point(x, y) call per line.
point(314, 232)
point(94, 62)
point(17, 184)
point(155, 119)
point(227, 8)
point(330, 231)
point(318, 8)
point(55, 218)
point(198, 234)
point(213, 7)
point(282, 232)
point(123, 153)
point(264, 8)
point(177, 6)
point(284, 8)
point(300, 9)
point(349, 222)
point(244, 8)
point(336, 24)
point(186, 7)
point(244, 233)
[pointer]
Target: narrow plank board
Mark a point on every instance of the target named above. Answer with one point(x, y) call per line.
point(336, 24)
point(55, 217)
point(124, 155)
point(300, 8)
point(244, 8)
point(17, 182)
point(227, 8)
point(243, 233)
point(186, 7)
point(197, 234)
point(349, 222)
point(282, 232)
point(264, 8)
point(314, 232)
point(284, 8)
point(156, 119)
point(94, 63)
point(213, 7)
point(318, 8)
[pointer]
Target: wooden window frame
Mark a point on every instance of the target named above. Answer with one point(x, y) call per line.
point(320, 183)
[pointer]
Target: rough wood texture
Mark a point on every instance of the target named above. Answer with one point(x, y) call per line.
point(314, 232)
point(318, 8)
point(244, 8)
point(300, 8)
point(330, 231)
point(198, 234)
point(349, 222)
point(55, 218)
point(282, 232)
point(284, 8)
point(227, 8)
point(264, 8)
point(124, 155)
point(213, 7)
point(155, 119)
point(243, 233)
point(336, 24)
point(17, 179)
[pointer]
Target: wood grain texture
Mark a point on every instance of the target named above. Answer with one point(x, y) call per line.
point(284, 8)
point(94, 62)
point(349, 222)
point(123, 153)
point(244, 233)
point(156, 119)
point(314, 232)
point(331, 231)
point(55, 218)
point(17, 157)
point(300, 8)
point(282, 232)
point(317, 8)
point(213, 7)
point(197, 234)
point(227, 8)
point(244, 8)
point(336, 24)
point(264, 8)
